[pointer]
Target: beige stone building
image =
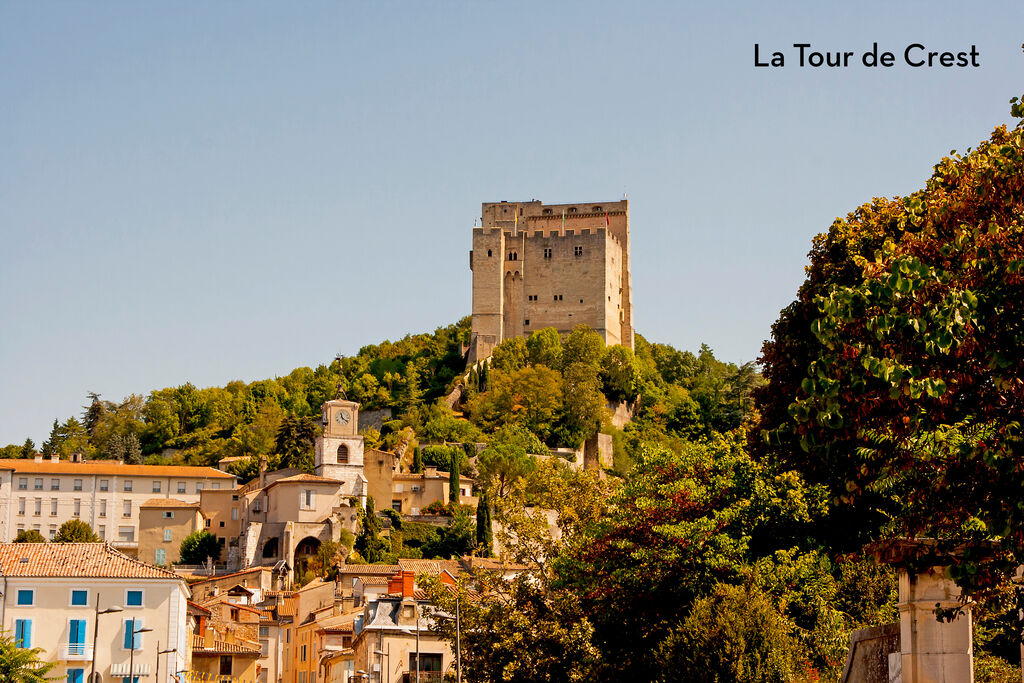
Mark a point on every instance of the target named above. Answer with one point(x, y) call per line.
point(53, 591)
point(557, 265)
point(163, 525)
point(42, 494)
point(413, 492)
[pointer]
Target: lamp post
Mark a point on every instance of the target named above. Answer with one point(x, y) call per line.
point(131, 657)
point(95, 627)
point(156, 676)
point(384, 667)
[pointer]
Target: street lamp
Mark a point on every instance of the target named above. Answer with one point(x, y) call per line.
point(131, 657)
point(156, 677)
point(95, 627)
point(384, 667)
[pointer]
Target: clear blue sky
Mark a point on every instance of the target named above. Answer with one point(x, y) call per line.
point(213, 191)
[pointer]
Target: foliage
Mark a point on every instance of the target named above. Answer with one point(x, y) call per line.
point(441, 457)
point(454, 480)
point(484, 532)
point(294, 442)
point(509, 356)
point(455, 539)
point(620, 374)
point(734, 633)
point(500, 466)
point(530, 397)
point(29, 536)
point(326, 562)
point(21, 665)
point(896, 376)
point(369, 543)
point(198, 546)
point(75, 531)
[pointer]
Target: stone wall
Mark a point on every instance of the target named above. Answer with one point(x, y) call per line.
point(869, 655)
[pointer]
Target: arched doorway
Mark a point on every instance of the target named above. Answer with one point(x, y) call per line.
point(305, 551)
point(271, 548)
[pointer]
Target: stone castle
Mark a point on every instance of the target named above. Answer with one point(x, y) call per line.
point(556, 265)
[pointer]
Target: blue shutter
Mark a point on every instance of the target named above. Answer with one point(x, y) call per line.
point(79, 598)
point(25, 597)
point(129, 626)
point(77, 636)
point(76, 675)
point(23, 633)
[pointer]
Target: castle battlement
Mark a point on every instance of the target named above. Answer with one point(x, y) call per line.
point(539, 265)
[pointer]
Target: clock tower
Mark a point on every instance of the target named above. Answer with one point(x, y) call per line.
point(339, 448)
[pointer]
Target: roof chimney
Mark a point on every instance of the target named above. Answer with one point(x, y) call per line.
point(402, 583)
point(38, 458)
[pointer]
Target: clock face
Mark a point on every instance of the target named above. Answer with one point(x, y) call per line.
point(342, 417)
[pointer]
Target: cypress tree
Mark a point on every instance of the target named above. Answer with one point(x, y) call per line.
point(484, 534)
point(453, 479)
point(417, 461)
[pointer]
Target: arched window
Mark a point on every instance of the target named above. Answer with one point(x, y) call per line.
point(488, 253)
point(342, 454)
point(270, 547)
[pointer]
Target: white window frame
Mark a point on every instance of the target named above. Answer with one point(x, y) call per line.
point(71, 597)
point(133, 590)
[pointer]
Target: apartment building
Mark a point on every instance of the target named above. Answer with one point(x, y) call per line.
point(42, 494)
point(63, 597)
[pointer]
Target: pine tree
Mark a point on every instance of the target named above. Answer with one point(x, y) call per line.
point(29, 449)
point(133, 450)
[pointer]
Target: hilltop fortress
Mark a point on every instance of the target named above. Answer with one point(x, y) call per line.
point(556, 265)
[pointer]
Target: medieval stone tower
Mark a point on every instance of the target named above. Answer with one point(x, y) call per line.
point(558, 265)
point(338, 452)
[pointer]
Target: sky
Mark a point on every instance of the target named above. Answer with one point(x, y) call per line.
point(203, 192)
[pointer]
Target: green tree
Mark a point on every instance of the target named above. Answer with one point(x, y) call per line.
point(544, 347)
point(509, 356)
point(23, 665)
point(417, 461)
point(531, 397)
point(484, 533)
point(501, 466)
point(583, 345)
point(28, 449)
point(29, 536)
point(294, 442)
point(75, 531)
point(896, 375)
point(620, 374)
point(455, 539)
point(583, 405)
point(369, 544)
point(198, 546)
point(454, 480)
point(733, 634)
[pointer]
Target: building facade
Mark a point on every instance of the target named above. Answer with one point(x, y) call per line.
point(558, 265)
point(63, 597)
point(42, 494)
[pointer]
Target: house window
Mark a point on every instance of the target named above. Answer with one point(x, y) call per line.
point(302, 655)
point(428, 662)
point(168, 514)
point(79, 598)
point(181, 487)
point(103, 508)
point(133, 598)
point(256, 506)
point(39, 507)
point(199, 486)
point(76, 675)
point(234, 514)
point(264, 631)
point(21, 506)
point(167, 535)
point(104, 484)
point(23, 484)
point(76, 637)
point(396, 505)
point(77, 509)
point(222, 525)
point(156, 487)
point(38, 484)
point(126, 534)
point(55, 484)
point(161, 556)
point(53, 531)
point(207, 523)
point(307, 499)
point(577, 251)
point(53, 507)
point(77, 485)
point(103, 532)
point(225, 665)
point(26, 597)
point(127, 485)
point(547, 252)
point(127, 509)
point(23, 633)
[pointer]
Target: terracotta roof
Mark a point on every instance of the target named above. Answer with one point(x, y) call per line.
point(220, 648)
point(430, 566)
point(196, 607)
point(374, 580)
point(305, 479)
point(228, 576)
point(370, 569)
point(168, 503)
point(110, 467)
point(91, 560)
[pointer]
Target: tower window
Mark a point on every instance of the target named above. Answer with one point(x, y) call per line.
point(596, 209)
point(577, 251)
point(527, 322)
point(547, 212)
point(558, 297)
point(547, 252)
point(342, 454)
point(488, 253)
point(572, 209)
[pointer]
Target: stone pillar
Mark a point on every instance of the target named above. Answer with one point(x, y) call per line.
point(932, 651)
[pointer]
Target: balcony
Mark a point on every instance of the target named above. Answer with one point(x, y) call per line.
point(76, 652)
point(425, 677)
